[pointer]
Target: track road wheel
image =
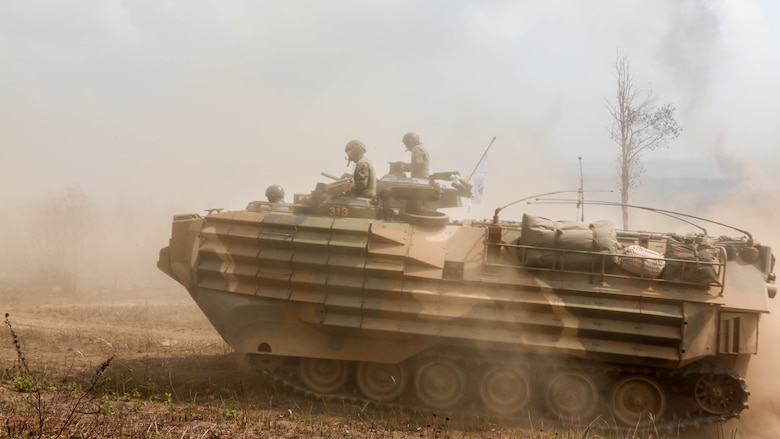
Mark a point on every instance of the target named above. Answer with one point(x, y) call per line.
point(719, 394)
point(381, 381)
point(504, 390)
point(323, 376)
point(572, 396)
point(440, 384)
point(638, 401)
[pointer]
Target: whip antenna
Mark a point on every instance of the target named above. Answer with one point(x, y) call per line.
point(480, 159)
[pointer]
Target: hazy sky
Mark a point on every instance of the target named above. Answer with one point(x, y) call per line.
point(210, 102)
point(185, 105)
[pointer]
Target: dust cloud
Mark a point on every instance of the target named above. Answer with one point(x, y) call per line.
point(756, 210)
point(116, 117)
point(115, 248)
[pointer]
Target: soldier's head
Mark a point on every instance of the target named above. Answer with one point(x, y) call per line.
point(410, 140)
point(355, 150)
point(275, 193)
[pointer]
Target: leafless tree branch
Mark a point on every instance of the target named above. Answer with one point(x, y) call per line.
point(638, 125)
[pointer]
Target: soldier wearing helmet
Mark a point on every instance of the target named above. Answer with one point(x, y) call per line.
point(364, 177)
point(418, 166)
point(275, 194)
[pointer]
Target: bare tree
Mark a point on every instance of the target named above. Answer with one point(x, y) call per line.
point(638, 125)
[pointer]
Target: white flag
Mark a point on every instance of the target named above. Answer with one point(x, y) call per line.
point(478, 185)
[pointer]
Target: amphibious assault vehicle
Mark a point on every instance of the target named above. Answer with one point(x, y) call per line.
point(388, 301)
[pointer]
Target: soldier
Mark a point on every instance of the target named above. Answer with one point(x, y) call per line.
point(275, 194)
point(364, 178)
point(418, 166)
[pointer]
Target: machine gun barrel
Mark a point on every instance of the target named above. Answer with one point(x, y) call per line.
point(330, 176)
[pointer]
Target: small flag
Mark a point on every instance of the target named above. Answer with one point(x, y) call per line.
point(478, 185)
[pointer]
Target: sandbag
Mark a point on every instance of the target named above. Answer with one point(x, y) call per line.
point(690, 249)
point(604, 237)
point(549, 235)
point(647, 263)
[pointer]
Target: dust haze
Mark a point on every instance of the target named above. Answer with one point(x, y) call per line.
point(116, 116)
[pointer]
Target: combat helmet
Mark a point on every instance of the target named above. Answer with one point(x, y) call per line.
point(355, 144)
point(411, 139)
point(274, 193)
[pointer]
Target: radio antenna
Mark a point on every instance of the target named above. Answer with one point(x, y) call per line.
point(480, 159)
point(581, 195)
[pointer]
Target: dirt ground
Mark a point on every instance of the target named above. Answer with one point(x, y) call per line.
point(164, 372)
point(152, 366)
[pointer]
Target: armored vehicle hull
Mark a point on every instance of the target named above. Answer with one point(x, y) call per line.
point(352, 299)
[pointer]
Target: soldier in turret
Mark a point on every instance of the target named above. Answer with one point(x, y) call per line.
point(418, 166)
point(363, 177)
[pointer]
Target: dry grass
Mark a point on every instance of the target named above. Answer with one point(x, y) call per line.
point(152, 367)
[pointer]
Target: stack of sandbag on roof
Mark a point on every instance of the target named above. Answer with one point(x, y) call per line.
point(700, 256)
point(571, 236)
